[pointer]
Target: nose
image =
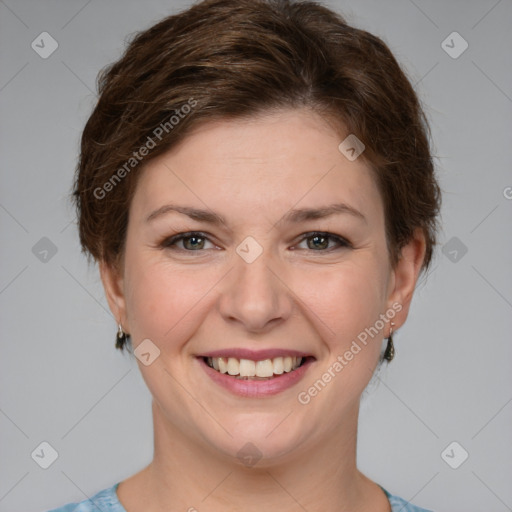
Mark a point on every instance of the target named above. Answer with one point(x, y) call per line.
point(255, 295)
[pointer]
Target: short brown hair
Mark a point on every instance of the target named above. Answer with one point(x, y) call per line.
point(238, 58)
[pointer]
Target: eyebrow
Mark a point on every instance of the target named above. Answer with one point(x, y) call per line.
point(292, 217)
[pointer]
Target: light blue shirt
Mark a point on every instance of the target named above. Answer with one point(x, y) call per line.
point(106, 501)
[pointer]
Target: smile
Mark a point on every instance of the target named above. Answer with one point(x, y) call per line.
point(255, 374)
point(254, 370)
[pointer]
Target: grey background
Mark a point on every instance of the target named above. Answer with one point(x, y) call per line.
point(62, 381)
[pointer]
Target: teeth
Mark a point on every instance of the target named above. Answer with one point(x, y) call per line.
point(264, 368)
point(223, 365)
point(279, 365)
point(249, 368)
point(233, 366)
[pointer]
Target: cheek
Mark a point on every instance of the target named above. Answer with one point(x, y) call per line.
point(347, 298)
point(347, 303)
point(163, 301)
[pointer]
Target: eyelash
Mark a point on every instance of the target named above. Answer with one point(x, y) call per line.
point(168, 243)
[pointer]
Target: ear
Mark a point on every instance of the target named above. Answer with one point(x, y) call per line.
point(113, 283)
point(405, 275)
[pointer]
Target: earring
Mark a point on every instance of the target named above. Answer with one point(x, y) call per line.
point(389, 354)
point(120, 337)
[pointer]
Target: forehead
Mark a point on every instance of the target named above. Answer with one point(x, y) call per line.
point(249, 165)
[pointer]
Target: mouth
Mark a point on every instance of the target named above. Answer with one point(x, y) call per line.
point(251, 373)
point(252, 369)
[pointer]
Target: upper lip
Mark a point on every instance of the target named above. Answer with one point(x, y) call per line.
point(255, 355)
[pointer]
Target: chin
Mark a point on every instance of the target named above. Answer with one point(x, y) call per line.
point(257, 443)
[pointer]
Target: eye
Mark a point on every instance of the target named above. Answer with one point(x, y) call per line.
point(193, 241)
point(320, 241)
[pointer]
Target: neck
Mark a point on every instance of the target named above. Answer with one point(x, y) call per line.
point(185, 475)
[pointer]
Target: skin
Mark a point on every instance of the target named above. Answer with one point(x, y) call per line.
point(297, 294)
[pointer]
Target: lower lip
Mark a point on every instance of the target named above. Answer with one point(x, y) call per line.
point(257, 388)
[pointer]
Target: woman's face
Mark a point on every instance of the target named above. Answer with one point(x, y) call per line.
point(258, 281)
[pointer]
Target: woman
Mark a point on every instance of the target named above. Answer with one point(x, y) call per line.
point(257, 188)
